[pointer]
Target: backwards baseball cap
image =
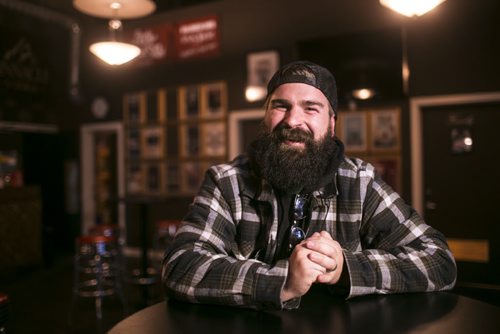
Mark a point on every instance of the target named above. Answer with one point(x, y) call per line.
point(307, 73)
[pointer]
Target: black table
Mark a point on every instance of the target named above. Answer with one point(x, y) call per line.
point(436, 312)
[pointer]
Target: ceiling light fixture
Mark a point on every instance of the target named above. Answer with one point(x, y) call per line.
point(363, 93)
point(411, 7)
point(112, 51)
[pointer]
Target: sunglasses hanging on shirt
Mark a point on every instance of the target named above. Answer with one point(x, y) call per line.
point(298, 216)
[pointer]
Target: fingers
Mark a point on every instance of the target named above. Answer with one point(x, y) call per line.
point(331, 277)
point(302, 257)
point(302, 273)
point(326, 262)
point(327, 253)
point(323, 244)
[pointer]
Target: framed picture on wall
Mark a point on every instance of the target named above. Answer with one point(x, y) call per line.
point(244, 127)
point(189, 140)
point(173, 178)
point(389, 168)
point(260, 68)
point(133, 106)
point(213, 139)
point(133, 144)
point(352, 130)
point(191, 176)
point(189, 102)
point(135, 182)
point(152, 142)
point(153, 178)
point(155, 110)
point(385, 130)
point(213, 101)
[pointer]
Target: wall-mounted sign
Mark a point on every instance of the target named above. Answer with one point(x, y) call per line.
point(31, 75)
point(197, 38)
point(155, 43)
point(168, 42)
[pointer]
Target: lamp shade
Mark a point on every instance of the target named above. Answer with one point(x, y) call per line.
point(411, 7)
point(115, 53)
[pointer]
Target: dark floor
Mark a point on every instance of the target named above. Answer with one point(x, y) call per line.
point(41, 299)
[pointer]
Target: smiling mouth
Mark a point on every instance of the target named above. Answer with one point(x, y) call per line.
point(293, 143)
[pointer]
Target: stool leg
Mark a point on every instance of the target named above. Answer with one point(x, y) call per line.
point(100, 287)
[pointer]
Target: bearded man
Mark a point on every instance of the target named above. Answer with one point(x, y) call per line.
point(294, 212)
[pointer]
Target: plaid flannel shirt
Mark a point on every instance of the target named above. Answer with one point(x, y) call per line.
point(223, 252)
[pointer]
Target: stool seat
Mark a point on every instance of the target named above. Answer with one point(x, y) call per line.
point(96, 273)
point(95, 239)
point(109, 230)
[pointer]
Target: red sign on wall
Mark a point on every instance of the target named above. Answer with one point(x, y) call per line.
point(155, 43)
point(197, 38)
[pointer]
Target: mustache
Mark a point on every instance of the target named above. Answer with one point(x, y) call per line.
point(282, 133)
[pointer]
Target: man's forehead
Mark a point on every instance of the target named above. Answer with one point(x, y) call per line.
point(300, 91)
point(305, 101)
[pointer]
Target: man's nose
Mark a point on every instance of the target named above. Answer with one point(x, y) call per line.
point(294, 117)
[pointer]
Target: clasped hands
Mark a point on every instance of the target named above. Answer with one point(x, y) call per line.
point(317, 259)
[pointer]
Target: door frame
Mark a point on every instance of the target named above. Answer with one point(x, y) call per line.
point(87, 151)
point(417, 104)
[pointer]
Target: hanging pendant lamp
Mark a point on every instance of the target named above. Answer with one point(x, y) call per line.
point(411, 7)
point(112, 51)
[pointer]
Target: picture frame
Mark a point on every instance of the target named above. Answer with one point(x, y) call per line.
point(385, 130)
point(189, 143)
point(260, 68)
point(389, 169)
point(133, 138)
point(191, 176)
point(135, 179)
point(213, 100)
point(352, 130)
point(244, 127)
point(189, 104)
point(213, 139)
point(172, 178)
point(153, 177)
point(152, 142)
point(133, 108)
point(155, 109)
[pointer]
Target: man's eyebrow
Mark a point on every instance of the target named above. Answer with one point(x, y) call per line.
point(279, 101)
point(305, 102)
point(313, 103)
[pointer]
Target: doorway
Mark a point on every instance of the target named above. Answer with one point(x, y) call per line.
point(459, 179)
point(102, 164)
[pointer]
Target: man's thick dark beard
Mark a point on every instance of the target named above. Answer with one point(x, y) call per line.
point(291, 170)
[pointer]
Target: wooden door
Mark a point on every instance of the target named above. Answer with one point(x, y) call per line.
point(461, 184)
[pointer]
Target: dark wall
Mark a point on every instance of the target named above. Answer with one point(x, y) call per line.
point(452, 49)
point(456, 51)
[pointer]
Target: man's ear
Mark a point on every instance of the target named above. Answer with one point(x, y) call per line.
point(332, 124)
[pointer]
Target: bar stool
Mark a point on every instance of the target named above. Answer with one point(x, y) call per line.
point(96, 276)
point(108, 230)
point(4, 311)
point(113, 231)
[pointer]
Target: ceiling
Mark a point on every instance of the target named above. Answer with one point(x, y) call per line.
point(65, 7)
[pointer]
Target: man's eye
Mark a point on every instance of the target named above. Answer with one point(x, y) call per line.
point(312, 110)
point(280, 107)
